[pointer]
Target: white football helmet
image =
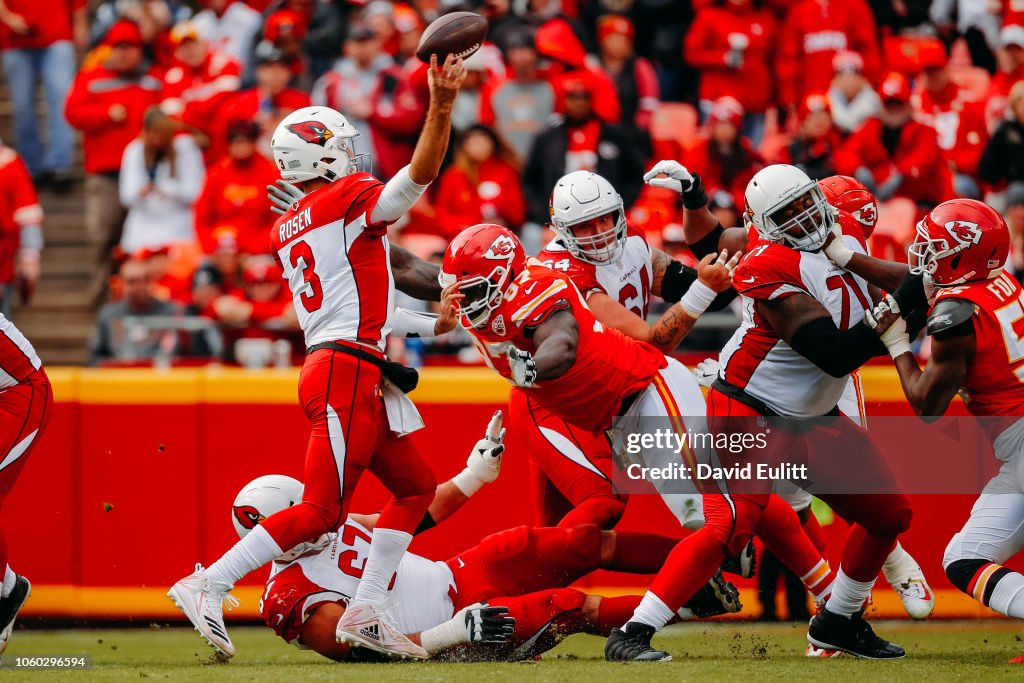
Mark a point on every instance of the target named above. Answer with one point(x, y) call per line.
point(316, 142)
point(263, 497)
point(784, 205)
point(577, 198)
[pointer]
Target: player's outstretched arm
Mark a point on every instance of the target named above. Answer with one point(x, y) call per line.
point(803, 323)
point(414, 276)
point(701, 229)
point(714, 276)
point(886, 275)
point(444, 83)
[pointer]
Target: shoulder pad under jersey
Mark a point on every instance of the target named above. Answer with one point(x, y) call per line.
point(949, 314)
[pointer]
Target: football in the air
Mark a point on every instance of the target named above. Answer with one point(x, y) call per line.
point(458, 33)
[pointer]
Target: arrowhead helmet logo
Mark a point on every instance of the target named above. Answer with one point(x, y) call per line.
point(867, 214)
point(312, 131)
point(499, 325)
point(501, 248)
point(964, 232)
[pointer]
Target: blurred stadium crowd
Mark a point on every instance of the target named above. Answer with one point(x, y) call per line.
point(921, 100)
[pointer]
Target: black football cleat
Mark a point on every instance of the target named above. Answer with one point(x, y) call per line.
point(854, 636)
point(9, 607)
point(633, 644)
point(716, 597)
point(744, 564)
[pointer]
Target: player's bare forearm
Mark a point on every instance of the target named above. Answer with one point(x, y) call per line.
point(697, 223)
point(556, 341)
point(930, 391)
point(445, 82)
point(447, 500)
point(414, 276)
point(886, 275)
point(659, 264)
point(671, 328)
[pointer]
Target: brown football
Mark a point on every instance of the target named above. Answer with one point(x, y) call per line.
point(458, 33)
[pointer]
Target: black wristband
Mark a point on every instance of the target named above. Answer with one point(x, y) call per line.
point(694, 197)
point(676, 281)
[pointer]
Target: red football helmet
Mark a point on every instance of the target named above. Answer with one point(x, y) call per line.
point(483, 260)
point(960, 241)
point(850, 195)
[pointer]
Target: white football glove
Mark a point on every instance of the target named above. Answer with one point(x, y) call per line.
point(678, 178)
point(837, 250)
point(706, 372)
point(484, 463)
point(282, 195)
point(524, 369)
point(895, 338)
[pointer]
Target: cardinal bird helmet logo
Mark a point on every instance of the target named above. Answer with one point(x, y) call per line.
point(247, 516)
point(312, 131)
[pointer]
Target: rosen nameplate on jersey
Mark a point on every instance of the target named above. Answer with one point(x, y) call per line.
point(293, 226)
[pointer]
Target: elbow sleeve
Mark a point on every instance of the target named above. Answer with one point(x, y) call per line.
point(677, 280)
point(397, 197)
point(708, 244)
point(836, 352)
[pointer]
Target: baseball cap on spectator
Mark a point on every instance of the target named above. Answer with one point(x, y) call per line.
point(722, 200)
point(932, 55)
point(268, 53)
point(360, 31)
point(207, 275)
point(183, 31)
point(379, 7)
point(243, 128)
point(261, 270)
point(895, 88)
point(727, 109)
point(225, 239)
point(519, 38)
point(814, 103)
point(283, 23)
point(1012, 35)
point(614, 24)
point(123, 32)
point(846, 62)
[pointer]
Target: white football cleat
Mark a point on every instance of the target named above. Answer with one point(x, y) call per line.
point(204, 607)
point(370, 626)
point(906, 578)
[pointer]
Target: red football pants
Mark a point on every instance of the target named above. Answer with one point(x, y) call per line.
point(731, 518)
point(570, 468)
point(350, 433)
point(25, 411)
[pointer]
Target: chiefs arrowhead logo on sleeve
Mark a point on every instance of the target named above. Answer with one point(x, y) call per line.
point(312, 131)
point(867, 214)
point(501, 248)
point(247, 516)
point(964, 232)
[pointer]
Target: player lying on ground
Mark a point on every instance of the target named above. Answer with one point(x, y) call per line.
point(960, 250)
point(855, 212)
point(504, 599)
point(333, 247)
point(26, 405)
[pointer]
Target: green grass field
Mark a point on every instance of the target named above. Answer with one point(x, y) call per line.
point(940, 651)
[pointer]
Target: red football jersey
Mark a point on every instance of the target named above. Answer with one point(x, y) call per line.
point(608, 368)
point(995, 378)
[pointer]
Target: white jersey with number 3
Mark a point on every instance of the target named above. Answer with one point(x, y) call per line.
point(337, 263)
